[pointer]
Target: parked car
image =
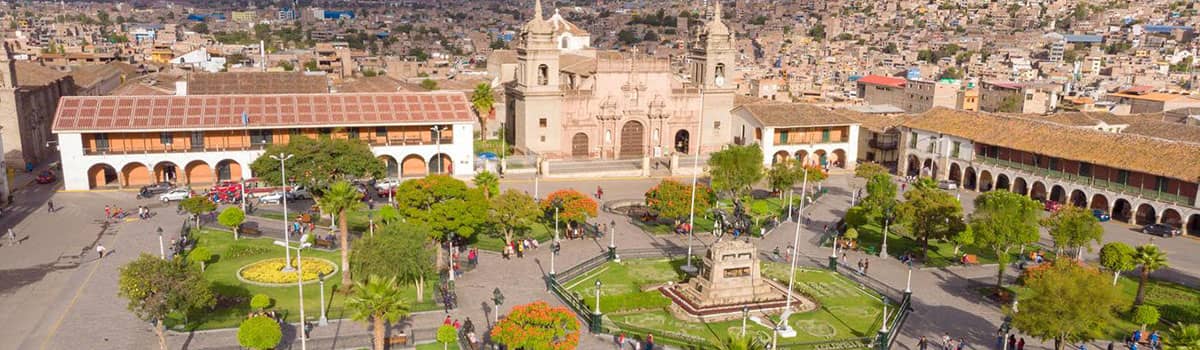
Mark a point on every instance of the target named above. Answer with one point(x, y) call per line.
point(177, 194)
point(271, 198)
point(156, 188)
point(299, 193)
point(1053, 206)
point(45, 177)
point(948, 185)
point(387, 184)
point(1100, 215)
point(1162, 230)
point(386, 192)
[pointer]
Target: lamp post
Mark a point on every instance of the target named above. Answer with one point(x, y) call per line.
point(787, 310)
point(612, 241)
point(299, 284)
point(887, 218)
point(437, 132)
point(162, 249)
point(596, 315)
point(282, 158)
point(555, 244)
point(321, 279)
point(371, 223)
point(451, 241)
point(745, 314)
point(497, 299)
point(688, 268)
point(833, 254)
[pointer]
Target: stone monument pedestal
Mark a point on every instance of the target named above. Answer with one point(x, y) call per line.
point(728, 281)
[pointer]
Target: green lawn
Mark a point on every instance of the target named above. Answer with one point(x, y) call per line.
point(540, 231)
point(1176, 304)
point(437, 346)
point(940, 253)
point(234, 296)
point(494, 146)
point(846, 311)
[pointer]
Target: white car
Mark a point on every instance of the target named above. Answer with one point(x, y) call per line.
point(387, 184)
point(947, 185)
point(299, 193)
point(177, 194)
point(271, 198)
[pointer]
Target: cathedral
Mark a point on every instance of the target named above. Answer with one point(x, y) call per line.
point(566, 100)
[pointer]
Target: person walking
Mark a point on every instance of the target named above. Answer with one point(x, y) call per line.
point(1021, 344)
point(50, 206)
point(100, 250)
point(860, 271)
point(962, 344)
point(107, 212)
point(866, 265)
point(12, 237)
point(844, 261)
point(923, 344)
point(1012, 341)
point(946, 341)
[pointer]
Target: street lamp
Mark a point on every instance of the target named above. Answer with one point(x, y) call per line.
point(450, 240)
point(557, 203)
point(745, 314)
point(299, 283)
point(497, 299)
point(612, 241)
point(162, 250)
point(282, 158)
point(437, 132)
point(787, 310)
point(596, 315)
point(597, 311)
point(371, 222)
point(688, 268)
point(321, 279)
point(887, 218)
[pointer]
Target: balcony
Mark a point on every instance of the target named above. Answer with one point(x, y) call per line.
point(414, 141)
point(802, 142)
point(1089, 181)
point(92, 151)
point(883, 144)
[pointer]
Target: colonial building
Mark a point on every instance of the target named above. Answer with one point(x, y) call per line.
point(125, 141)
point(564, 100)
point(29, 94)
point(813, 135)
point(1138, 179)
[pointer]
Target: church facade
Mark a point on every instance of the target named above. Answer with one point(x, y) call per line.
point(565, 100)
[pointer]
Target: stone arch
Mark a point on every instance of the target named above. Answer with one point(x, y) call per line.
point(839, 158)
point(166, 171)
point(969, 179)
point(985, 181)
point(1171, 217)
point(135, 174)
point(1193, 225)
point(914, 166)
point(391, 166)
point(441, 164)
point(1146, 214)
point(802, 157)
point(633, 135)
point(413, 166)
point(1020, 186)
point(1002, 182)
point(780, 157)
point(228, 170)
point(198, 172)
point(102, 175)
point(1038, 191)
point(683, 141)
point(579, 145)
point(821, 158)
point(1058, 194)
point(1122, 210)
point(1100, 202)
point(1078, 198)
point(955, 173)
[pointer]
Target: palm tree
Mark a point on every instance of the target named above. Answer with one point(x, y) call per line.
point(1184, 336)
point(379, 300)
point(483, 101)
point(739, 341)
point(339, 199)
point(1150, 258)
point(489, 183)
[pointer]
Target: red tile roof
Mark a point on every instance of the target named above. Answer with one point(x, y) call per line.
point(882, 80)
point(155, 113)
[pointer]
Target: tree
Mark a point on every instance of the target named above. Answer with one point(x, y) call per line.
point(197, 205)
point(573, 207)
point(881, 197)
point(445, 204)
point(537, 326)
point(318, 162)
point(1117, 257)
point(782, 176)
point(200, 255)
point(513, 213)
point(429, 84)
point(489, 183)
point(232, 217)
point(965, 237)
point(311, 66)
point(673, 199)
point(869, 170)
point(379, 300)
point(1074, 227)
point(1144, 315)
point(1069, 303)
point(628, 37)
point(738, 341)
point(483, 100)
point(398, 250)
point(388, 214)
point(156, 288)
point(1003, 220)
point(1011, 104)
point(951, 73)
point(736, 168)
point(1150, 258)
point(340, 199)
point(447, 334)
point(856, 216)
point(260, 301)
point(851, 234)
point(931, 213)
point(817, 31)
point(259, 332)
point(650, 36)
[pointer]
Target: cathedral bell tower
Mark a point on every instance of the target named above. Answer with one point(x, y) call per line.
point(537, 100)
point(713, 59)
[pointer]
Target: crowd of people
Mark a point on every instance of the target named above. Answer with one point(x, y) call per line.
point(519, 247)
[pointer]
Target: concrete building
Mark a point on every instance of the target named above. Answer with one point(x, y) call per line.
point(126, 141)
point(1141, 100)
point(1008, 97)
point(29, 95)
point(813, 135)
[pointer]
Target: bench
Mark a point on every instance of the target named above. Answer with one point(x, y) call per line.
point(324, 243)
point(969, 259)
point(399, 339)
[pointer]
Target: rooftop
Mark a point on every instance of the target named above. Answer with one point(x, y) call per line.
point(882, 80)
point(794, 114)
point(236, 83)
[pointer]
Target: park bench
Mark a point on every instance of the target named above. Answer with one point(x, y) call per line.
point(969, 259)
point(399, 339)
point(249, 229)
point(324, 243)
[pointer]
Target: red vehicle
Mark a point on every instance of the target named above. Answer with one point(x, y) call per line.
point(45, 177)
point(1053, 206)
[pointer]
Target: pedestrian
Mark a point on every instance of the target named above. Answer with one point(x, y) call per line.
point(826, 229)
point(649, 341)
point(107, 212)
point(446, 322)
point(100, 250)
point(844, 261)
point(962, 344)
point(468, 327)
point(1082, 346)
point(1021, 344)
point(945, 339)
point(922, 344)
point(860, 271)
point(599, 193)
point(790, 251)
point(12, 237)
point(1012, 341)
point(50, 206)
point(866, 265)
point(620, 340)
point(1154, 338)
point(457, 325)
point(1110, 345)
point(776, 252)
point(903, 186)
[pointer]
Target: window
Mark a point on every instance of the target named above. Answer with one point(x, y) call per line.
point(381, 132)
point(929, 146)
point(197, 140)
point(716, 125)
point(102, 142)
point(165, 138)
point(1037, 160)
point(825, 135)
point(325, 131)
point(1123, 177)
point(260, 137)
point(1053, 163)
point(294, 132)
point(542, 123)
point(954, 149)
point(1160, 184)
point(543, 75)
point(912, 140)
point(1085, 169)
point(543, 138)
point(352, 133)
point(783, 137)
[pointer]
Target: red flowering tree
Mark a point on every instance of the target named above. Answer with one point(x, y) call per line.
point(576, 207)
point(537, 326)
point(672, 199)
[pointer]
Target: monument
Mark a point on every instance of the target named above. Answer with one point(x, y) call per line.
point(729, 279)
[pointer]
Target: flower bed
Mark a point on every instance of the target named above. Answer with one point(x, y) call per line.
point(269, 271)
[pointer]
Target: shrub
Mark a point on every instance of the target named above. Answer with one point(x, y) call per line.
point(1178, 313)
point(1145, 315)
point(851, 234)
point(270, 271)
point(260, 301)
point(239, 250)
point(200, 255)
point(259, 332)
